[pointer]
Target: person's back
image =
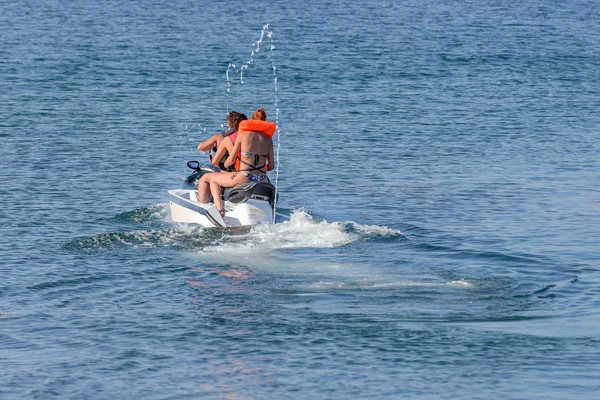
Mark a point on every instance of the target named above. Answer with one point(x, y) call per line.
point(253, 150)
point(256, 153)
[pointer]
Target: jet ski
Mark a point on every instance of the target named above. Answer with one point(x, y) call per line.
point(247, 204)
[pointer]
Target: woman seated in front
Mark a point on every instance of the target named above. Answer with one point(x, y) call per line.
point(225, 146)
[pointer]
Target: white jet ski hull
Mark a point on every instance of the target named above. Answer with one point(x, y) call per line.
point(185, 208)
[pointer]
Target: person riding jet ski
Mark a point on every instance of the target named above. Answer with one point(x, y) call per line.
point(223, 144)
point(252, 155)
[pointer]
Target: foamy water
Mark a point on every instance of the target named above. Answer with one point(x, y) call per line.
point(301, 231)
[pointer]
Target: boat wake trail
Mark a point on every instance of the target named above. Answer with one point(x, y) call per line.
point(300, 231)
point(158, 212)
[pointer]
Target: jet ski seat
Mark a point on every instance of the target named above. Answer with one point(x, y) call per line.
point(254, 190)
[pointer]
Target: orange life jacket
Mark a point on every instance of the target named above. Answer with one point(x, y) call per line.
point(254, 125)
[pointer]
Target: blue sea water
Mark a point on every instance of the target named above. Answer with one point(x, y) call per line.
point(438, 159)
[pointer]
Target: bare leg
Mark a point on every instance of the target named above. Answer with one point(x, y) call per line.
point(224, 180)
point(204, 187)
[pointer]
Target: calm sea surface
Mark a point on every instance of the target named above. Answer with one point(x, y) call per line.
point(439, 161)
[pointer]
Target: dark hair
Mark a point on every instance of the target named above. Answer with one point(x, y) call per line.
point(234, 118)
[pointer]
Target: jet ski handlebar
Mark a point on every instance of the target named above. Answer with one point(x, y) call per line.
point(195, 165)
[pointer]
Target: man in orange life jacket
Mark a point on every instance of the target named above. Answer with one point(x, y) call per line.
point(253, 151)
point(223, 142)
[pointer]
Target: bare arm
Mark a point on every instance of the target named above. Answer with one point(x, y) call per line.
point(223, 147)
point(209, 143)
point(234, 153)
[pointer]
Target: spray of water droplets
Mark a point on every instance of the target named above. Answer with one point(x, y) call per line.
point(256, 46)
